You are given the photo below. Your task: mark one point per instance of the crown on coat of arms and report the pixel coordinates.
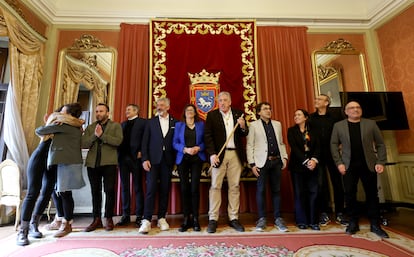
(204, 77)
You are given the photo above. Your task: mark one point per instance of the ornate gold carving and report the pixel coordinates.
(326, 71)
(2, 21)
(15, 5)
(91, 61)
(87, 42)
(204, 77)
(339, 46)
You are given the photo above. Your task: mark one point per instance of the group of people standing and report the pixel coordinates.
(348, 149)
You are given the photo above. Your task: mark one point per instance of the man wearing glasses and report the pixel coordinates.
(322, 122)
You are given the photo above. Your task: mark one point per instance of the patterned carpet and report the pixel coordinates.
(126, 242)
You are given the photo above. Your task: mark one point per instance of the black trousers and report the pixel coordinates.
(36, 174)
(67, 203)
(305, 184)
(269, 174)
(337, 185)
(190, 186)
(128, 166)
(369, 183)
(105, 175)
(47, 190)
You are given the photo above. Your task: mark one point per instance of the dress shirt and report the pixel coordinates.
(272, 146)
(229, 125)
(165, 124)
(133, 118)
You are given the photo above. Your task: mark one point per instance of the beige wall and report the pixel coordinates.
(397, 51)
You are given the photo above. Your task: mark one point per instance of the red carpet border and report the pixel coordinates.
(128, 243)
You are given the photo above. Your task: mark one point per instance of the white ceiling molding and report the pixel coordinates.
(361, 14)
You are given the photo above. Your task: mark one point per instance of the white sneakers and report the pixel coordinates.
(146, 226)
(163, 225)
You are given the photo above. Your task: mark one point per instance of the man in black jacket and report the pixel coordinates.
(219, 125)
(322, 122)
(129, 158)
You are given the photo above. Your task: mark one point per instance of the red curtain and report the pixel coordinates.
(131, 78)
(132, 69)
(285, 81)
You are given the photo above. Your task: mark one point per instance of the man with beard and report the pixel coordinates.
(102, 138)
(158, 157)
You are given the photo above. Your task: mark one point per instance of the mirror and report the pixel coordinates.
(330, 83)
(338, 67)
(86, 74)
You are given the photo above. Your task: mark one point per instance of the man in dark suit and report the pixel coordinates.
(158, 157)
(219, 125)
(129, 158)
(359, 152)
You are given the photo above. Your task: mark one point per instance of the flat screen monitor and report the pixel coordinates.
(386, 108)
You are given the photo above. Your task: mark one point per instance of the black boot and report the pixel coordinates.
(186, 224)
(34, 227)
(22, 239)
(376, 228)
(196, 224)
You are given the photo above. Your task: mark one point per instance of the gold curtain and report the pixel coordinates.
(76, 72)
(26, 59)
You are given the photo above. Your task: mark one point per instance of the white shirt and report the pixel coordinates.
(229, 125)
(165, 124)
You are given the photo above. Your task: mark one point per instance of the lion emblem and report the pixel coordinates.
(203, 103)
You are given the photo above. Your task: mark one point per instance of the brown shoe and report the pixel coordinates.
(109, 224)
(97, 223)
(64, 229)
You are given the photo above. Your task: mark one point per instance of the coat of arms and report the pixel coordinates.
(204, 88)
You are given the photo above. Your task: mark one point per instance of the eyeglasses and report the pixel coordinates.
(353, 107)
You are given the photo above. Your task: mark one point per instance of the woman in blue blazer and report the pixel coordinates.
(189, 143)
